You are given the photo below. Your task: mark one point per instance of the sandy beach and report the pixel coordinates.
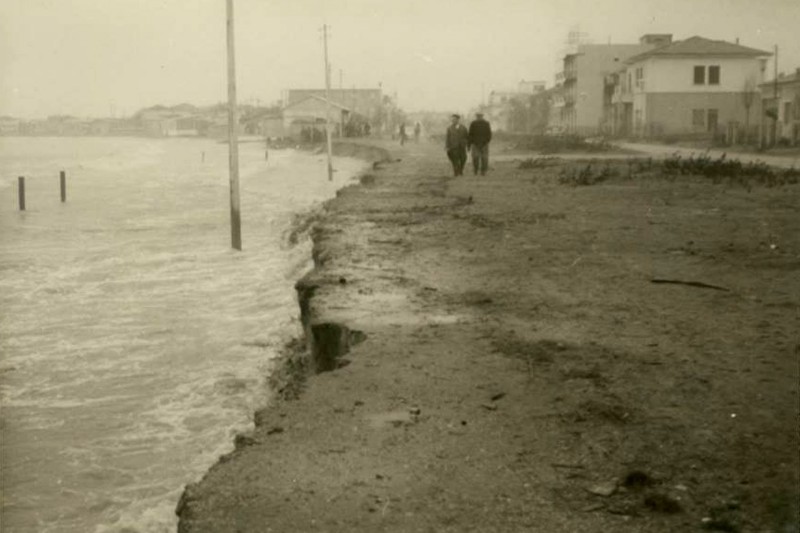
(527, 352)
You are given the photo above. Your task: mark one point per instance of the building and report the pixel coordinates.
(309, 116)
(161, 121)
(781, 103)
(510, 110)
(696, 87)
(9, 126)
(364, 102)
(580, 105)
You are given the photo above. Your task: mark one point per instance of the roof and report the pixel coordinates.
(700, 46)
(315, 97)
(794, 77)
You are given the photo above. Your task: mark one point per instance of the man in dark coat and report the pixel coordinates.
(456, 143)
(480, 134)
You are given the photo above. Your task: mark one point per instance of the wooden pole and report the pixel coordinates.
(777, 104)
(233, 141)
(21, 190)
(328, 103)
(63, 182)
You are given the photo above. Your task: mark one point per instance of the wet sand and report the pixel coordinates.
(498, 358)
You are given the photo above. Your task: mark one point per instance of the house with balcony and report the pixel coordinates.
(696, 87)
(781, 103)
(580, 107)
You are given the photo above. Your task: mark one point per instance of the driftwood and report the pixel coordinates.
(691, 284)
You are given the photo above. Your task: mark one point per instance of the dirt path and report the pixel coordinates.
(512, 366)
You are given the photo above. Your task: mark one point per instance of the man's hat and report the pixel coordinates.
(478, 114)
(455, 115)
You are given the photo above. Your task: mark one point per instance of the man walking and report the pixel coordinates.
(456, 143)
(480, 134)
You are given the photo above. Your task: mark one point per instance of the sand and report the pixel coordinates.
(498, 358)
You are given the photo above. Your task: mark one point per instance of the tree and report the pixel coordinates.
(748, 97)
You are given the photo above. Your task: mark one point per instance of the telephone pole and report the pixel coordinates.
(328, 102)
(777, 103)
(233, 141)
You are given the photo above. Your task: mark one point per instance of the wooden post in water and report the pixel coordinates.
(21, 190)
(233, 141)
(63, 181)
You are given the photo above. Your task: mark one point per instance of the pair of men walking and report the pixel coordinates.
(476, 139)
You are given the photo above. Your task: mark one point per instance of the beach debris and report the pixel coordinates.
(604, 489)
(342, 280)
(699, 284)
(498, 396)
(274, 430)
(489, 406)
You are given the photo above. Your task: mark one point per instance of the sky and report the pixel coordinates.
(92, 58)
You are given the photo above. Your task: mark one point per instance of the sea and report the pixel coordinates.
(134, 341)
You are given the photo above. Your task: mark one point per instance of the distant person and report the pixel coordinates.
(480, 135)
(456, 143)
(403, 135)
(417, 130)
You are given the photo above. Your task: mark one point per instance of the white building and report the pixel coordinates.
(696, 87)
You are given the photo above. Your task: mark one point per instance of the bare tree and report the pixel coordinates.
(748, 97)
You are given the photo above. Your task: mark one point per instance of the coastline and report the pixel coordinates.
(494, 359)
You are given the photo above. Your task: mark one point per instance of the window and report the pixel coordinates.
(713, 75)
(640, 77)
(699, 75)
(698, 117)
(787, 111)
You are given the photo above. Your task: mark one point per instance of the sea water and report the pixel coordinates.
(134, 342)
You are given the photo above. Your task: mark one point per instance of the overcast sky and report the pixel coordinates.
(103, 57)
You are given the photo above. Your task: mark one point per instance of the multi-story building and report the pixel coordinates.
(580, 107)
(695, 87)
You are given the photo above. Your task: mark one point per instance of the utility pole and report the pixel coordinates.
(777, 104)
(328, 102)
(233, 141)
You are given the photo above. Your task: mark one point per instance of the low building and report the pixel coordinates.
(511, 110)
(311, 114)
(9, 126)
(368, 103)
(781, 103)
